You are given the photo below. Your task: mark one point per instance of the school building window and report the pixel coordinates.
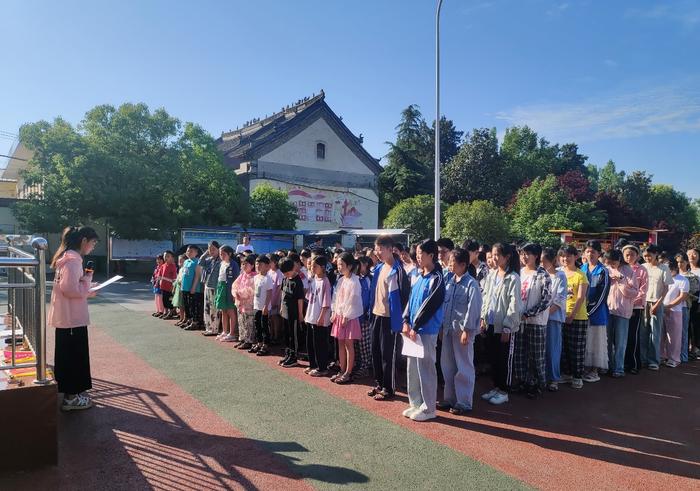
(320, 150)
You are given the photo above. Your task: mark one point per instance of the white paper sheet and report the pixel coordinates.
(113, 279)
(412, 348)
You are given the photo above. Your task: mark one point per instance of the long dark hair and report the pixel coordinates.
(513, 258)
(72, 239)
(350, 261)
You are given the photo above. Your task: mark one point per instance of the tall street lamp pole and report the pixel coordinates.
(437, 119)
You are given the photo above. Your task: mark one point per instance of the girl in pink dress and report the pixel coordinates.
(347, 310)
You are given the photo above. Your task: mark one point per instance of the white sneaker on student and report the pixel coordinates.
(499, 398)
(410, 410)
(591, 376)
(671, 364)
(422, 416)
(78, 402)
(576, 383)
(489, 394)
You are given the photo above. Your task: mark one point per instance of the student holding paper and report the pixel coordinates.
(68, 314)
(423, 317)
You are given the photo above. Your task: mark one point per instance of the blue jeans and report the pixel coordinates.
(553, 351)
(617, 343)
(650, 335)
(684, 337)
(457, 363)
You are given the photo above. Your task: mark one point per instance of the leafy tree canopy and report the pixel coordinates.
(479, 220)
(270, 208)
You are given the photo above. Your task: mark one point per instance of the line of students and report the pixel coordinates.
(539, 317)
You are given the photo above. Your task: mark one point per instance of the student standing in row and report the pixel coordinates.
(423, 317)
(694, 284)
(623, 291)
(557, 315)
(178, 301)
(192, 290)
(155, 281)
(261, 307)
(347, 311)
(596, 358)
(225, 302)
(633, 362)
(243, 291)
(318, 318)
(364, 353)
(276, 277)
(536, 294)
(673, 317)
(694, 314)
(209, 265)
(460, 326)
(168, 276)
(660, 280)
(576, 321)
(292, 310)
(388, 298)
(500, 318)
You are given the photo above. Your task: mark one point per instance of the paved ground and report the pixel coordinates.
(180, 411)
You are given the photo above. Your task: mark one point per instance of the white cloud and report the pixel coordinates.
(686, 13)
(558, 8)
(656, 111)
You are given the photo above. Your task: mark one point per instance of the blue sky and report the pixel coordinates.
(621, 79)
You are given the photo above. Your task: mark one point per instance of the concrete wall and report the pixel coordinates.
(301, 151)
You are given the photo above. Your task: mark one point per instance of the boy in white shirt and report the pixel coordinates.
(261, 306)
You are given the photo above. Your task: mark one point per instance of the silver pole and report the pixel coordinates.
(437, 119)
(40, 244)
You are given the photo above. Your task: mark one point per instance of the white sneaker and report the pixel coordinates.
(410, 410)
(499, 398)
(76, 403)
(422, 416)
(489, 394)
(671, 364)
(576, 383)
(228, 339)
(591, 377)
(653, 366)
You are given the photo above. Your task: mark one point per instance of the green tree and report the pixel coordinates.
(410, 168)
(476, 173)
(479, 220)
(525, 156)
(270, 208)
(416, 213)
(131, 168)
(610, 180)
(674, 211)
(543, 206)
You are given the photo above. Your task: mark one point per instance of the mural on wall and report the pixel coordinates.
(326, 207)
(323, 209)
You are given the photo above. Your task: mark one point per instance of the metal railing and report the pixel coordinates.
(26, 304)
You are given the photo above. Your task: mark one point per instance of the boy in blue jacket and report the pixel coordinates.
(423, 317)
(388, 298)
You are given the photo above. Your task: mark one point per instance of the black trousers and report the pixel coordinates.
(291, 334)
(632, 356)
(385, 346)
(694, 324)
(72, 360)
(167, 299)
(194, 306)
(317, 346)
(262, 327)
(501, 358)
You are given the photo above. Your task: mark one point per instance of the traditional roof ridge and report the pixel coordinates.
(286, 112)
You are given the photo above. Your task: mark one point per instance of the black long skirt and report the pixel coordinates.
(72, 360)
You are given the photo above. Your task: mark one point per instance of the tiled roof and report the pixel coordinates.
(259, 136)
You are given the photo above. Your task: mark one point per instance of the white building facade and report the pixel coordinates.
(307, 151)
